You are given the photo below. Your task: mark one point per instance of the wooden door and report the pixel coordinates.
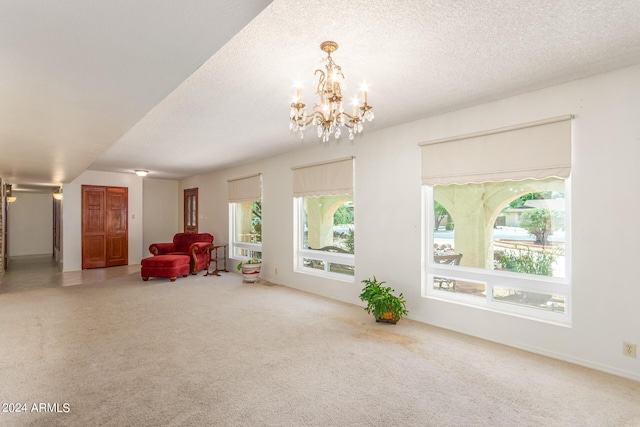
(116, 227)
(57, 225)
(104, 226)
(94, 234)
(191, 210)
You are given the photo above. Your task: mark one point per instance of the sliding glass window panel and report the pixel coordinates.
(534, 300)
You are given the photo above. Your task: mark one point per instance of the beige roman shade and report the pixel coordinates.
(535, 150)
(247, 189)
(323, 179)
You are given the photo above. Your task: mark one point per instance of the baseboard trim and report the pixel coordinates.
(542, 352)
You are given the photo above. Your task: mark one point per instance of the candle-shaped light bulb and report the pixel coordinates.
(364, 89)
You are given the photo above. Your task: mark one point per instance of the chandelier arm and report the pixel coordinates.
(321, 80)
(317, 112)
(309, 121)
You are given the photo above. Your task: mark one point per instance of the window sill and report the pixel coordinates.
(547, 317)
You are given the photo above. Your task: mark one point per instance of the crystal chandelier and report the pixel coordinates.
(328, 115)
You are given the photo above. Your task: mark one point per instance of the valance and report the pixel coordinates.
(535, 150)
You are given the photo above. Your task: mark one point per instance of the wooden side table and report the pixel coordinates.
(216, 257)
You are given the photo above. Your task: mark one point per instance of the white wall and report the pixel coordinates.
(606, 147)
(161, 207)
(31, 224)
(72, 215)
(2, 227)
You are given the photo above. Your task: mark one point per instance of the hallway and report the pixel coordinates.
(32, 272)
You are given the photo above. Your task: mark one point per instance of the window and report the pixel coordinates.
(325, 227)
(497, 233)
(245, 213)
(327, 234)
(191, 210)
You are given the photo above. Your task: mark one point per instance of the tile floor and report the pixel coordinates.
(33, 272)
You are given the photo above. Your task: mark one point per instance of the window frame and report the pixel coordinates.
(190, 211)
(497, 278)
(300, 253)
(234, 244)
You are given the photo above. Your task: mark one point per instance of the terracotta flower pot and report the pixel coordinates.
(387, 317)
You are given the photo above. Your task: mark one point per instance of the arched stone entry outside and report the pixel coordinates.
(474, 209)
(320, 211)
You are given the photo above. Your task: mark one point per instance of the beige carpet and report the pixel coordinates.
(212, 351)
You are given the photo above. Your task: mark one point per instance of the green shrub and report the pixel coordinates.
(528, 261)
(542, 223)
(350, 240)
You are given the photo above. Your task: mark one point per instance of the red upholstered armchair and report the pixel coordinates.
(195, 245)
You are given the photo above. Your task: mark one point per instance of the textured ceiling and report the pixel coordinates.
(76, 75)
(419, 58)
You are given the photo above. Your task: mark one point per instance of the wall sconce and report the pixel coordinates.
(11, 199)
(58, 195)
(141, 172)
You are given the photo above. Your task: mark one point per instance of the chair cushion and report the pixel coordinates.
(165, 261)
(184, 240)
(170, 266)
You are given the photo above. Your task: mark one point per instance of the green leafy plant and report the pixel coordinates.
(249, 261)
(350, 240)
(542, 223)
(256, 222)
(440, 213)
(380, 300)
(528, 261)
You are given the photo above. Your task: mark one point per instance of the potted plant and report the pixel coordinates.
(250, 270)
(382, 303)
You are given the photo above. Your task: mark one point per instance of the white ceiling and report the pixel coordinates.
(182, 88)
